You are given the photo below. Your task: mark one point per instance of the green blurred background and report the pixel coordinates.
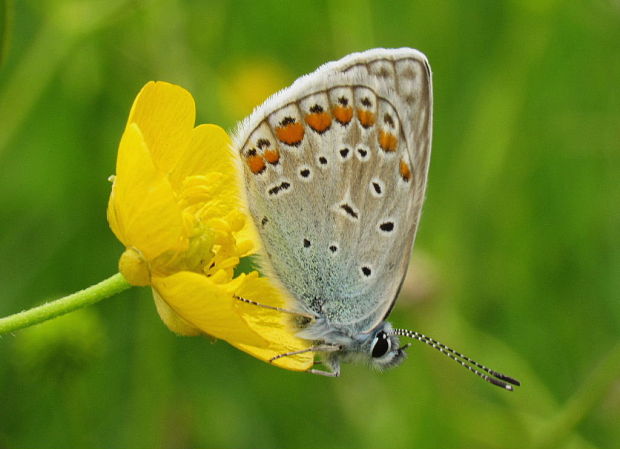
(517, 261)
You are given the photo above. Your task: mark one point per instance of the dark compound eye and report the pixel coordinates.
(381, 345)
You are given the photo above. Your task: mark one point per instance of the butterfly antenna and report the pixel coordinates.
(491, 376)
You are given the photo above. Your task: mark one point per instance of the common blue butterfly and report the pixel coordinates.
(335, 171)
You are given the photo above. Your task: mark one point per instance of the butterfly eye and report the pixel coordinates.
(380, 345)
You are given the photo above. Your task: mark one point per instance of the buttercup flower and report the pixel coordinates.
(175, 205)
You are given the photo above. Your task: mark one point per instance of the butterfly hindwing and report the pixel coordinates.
(335, 169)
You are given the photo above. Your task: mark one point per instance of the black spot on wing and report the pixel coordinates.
(279, 188)
(349, 210)
(387, 226)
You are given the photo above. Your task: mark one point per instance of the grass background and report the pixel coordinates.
(517, 261)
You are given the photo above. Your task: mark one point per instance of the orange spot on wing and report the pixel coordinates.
(319, 121)
(405, 171)
(388, 141)
(256, 163)
(290, 134)
(343, 114)
(272, 156)
(366, 117)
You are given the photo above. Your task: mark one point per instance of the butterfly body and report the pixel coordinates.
(335, 170)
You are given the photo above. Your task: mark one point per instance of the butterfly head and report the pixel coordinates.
(385, 351)
(381, 348)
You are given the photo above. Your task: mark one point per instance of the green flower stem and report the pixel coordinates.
(95, 293)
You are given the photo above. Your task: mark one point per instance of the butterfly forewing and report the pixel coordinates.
(335, 170)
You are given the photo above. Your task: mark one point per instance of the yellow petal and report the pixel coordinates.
(274, 326)
(248, 238)
(209, 155)
(142, 210)
(165, 113)
(171, 319)
(297, 362)
(208, 152)
(207, 306)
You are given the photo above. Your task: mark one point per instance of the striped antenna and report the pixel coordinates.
(498, 379)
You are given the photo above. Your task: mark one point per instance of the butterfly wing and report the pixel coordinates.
(335, 170)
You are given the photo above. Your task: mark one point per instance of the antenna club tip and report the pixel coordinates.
(508, 379)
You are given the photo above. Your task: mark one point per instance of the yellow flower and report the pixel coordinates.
(175, 205)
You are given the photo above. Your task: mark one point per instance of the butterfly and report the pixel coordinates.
(335, 170)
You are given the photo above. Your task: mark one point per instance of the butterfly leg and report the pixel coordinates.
(335, 373)
(332, 364)
(330, 360)
(318, 348)
(279, 309)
